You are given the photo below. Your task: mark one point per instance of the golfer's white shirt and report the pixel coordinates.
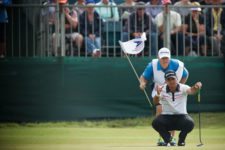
(178, 105)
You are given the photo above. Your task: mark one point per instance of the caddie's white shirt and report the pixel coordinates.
(174, 103)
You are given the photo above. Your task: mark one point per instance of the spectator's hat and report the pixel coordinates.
(140, 4)
(196, 6)
(164, 2)
(170, 74)
(62, 1)
(90, 2)
(164, 52)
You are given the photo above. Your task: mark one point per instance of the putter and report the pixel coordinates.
(199, 121)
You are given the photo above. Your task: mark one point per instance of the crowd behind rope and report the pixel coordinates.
(195, 30)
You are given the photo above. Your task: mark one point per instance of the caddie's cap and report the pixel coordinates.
(164, 52)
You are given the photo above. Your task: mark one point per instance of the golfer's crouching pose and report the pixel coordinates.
(173, 98)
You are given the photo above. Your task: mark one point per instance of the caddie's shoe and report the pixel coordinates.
(181, 144)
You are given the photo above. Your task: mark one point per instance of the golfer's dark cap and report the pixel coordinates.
(170, 74)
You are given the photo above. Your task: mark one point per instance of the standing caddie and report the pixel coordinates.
(155, 72)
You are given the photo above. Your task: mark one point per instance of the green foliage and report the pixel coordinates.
(209, 120)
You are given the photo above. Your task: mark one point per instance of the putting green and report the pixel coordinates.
(70, 136)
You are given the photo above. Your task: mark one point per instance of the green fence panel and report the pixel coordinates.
(57, 89)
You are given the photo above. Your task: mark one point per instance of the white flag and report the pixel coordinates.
(134, 46)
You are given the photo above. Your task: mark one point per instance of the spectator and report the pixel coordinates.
(109, 12)
(194, 30)
(125, 14)
(145, 1)
(205, 2)
(51, 11)
(154, 11)
(79, 6)
(141, 22)
(3, 22)
(215, 27)
(47, 26)
(127, 9)
(90, 23)
(71, 31)
(172, 25)
(179, 7)
(174, 1)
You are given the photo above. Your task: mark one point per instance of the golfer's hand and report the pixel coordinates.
(159, 89)
(198, 85)
(142, 86)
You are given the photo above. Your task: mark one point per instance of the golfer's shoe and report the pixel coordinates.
(181, 144)
(173, 142)
(161, 142)
(166, 144)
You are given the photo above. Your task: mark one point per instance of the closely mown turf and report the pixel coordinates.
(126, 134)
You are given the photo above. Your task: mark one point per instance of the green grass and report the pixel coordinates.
(126, 134)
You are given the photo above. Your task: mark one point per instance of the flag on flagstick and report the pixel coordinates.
(134, 46)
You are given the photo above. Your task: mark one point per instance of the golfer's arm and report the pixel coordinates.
(156, 100)
(192, 90)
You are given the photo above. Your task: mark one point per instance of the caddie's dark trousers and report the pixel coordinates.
(165, 123)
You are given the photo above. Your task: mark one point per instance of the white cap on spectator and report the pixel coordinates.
(196, 4)
(164, 52)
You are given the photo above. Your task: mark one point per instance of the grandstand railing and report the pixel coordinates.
(30, 29)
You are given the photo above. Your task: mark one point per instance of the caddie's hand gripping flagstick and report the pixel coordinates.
(135, 72)
(135, 46)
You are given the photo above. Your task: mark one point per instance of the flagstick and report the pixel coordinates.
(135, 72)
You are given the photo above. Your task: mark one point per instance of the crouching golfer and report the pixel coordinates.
(173, 98)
